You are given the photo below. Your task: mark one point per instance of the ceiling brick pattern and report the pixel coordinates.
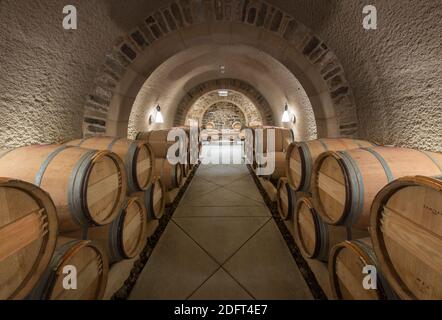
(186, 13)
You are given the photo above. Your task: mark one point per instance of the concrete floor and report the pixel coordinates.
(221, 243)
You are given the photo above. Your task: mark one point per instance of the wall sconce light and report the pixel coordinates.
(287, 117)
(157, 116)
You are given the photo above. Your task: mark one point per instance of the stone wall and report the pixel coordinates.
(394, 71)
(223, 115)
(199, 108)
(49, 76)
(45, 71)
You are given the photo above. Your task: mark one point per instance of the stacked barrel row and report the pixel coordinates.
(358, 205)
(259, 147)
(85, 204)
(172, 173)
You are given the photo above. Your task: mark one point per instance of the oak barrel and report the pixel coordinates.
(316, 238)
(346, 182)
(283, 138)
(154, 199)
(88, 187)
(254, 142)
(91, 265)
(185, 169)
(301, 157)
(346, 270)
(285, 199)
(406, 229)
(28, 234)
(157, 140)
(125, 237)
(137, 156)
(187, 163)
(279, 170)
(247, 136)
(171, 174)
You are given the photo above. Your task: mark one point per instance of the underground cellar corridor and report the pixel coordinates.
(223, 238)
(204, 150)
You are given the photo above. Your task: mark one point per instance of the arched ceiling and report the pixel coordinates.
(183, 45)
(172, 81)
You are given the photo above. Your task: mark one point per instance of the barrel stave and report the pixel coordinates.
(91, 265)
(346, 270)
(406, 230)
(346, 182)
(301, 158)
(88, 187)
(28, 233)
(137, 157)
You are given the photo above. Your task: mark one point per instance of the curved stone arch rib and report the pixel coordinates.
(202, 104)
(229, 84)
(339, 115)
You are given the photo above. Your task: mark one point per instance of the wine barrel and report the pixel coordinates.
(194, 147)
(185, 169)
(247, 136)
(346, 182)
(346, 265)
(253, 145)
(301, 157)
(285, 199)
(125, 237)
(283, 138)
(279, 171)
(187, 165)
(406, 229)
(316, 238)
(154, 199)
(171, 175)
(88, 187)
(137, 157)
(4, 151)
(91, 265)
(157, 140)
(237, 126)
(28, 234)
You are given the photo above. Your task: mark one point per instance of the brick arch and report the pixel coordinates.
(310, 59)
(201, 106)
(230, 84)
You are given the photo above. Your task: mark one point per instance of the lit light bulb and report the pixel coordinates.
(223, 93)
(158, 116)
(286, 115)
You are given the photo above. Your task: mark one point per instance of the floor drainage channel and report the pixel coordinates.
(306, 272)
(129, 284)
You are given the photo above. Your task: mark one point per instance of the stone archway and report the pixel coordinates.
(255, 23)
(244, 96)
